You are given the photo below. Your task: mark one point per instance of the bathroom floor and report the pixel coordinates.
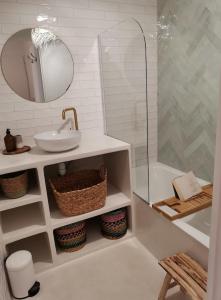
(126, 271)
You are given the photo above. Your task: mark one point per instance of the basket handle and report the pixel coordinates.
(103, 172)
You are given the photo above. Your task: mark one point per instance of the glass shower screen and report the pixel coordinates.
(124, 83)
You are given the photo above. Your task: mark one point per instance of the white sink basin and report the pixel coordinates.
(54, 141)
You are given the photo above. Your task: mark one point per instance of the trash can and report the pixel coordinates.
(21, 275)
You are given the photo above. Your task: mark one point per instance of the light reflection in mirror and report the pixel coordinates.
(37, 65)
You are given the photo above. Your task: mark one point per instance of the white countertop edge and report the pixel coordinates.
(90, 145)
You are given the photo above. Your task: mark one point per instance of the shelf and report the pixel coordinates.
(22, 233)
(32, 196)
(115, 200)
(21, 222)
(39, 247)
(95, 241)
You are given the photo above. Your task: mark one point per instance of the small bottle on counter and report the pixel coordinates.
(19, 142)
(10, 141)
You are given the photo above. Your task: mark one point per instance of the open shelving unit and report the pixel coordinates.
(22, 222)
(115, 199)
(29, 222)
(33, 195)
(95, 241)
(39, 246)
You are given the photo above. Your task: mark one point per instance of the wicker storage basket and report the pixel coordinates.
(14, 185)
(80, 192)
(114, 224)
(72, 237)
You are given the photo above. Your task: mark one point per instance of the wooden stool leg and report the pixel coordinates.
(165, 287)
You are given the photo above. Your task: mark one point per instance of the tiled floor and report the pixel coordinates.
(122, 272)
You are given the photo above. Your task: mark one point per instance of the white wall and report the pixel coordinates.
(77, 22)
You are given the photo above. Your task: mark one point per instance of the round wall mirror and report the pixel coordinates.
(37, 65)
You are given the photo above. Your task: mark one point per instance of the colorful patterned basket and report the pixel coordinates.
(114, 224)
(80, 192)
(72, 237)
(14, 185)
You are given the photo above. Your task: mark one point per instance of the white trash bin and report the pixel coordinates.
(21, 275)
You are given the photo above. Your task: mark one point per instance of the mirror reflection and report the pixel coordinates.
(37, 65)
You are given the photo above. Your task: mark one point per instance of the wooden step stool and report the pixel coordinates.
(182, 270)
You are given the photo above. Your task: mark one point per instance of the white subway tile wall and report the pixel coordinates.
(77, 23)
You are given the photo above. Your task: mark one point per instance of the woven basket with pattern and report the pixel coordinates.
(114, 224)
(80, 192)
(72, 237)
(14, 185)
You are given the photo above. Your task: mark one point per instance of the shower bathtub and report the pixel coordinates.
(196, 225)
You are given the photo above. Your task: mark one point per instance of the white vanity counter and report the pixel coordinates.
(29, 222)
(90, 145)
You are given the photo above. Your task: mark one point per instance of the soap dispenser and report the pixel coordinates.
(10, 141)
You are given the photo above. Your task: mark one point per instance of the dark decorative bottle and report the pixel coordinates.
(10, 141)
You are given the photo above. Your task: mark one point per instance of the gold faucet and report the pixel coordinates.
(75, 120)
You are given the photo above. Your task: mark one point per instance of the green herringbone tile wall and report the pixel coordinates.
(189, 60)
